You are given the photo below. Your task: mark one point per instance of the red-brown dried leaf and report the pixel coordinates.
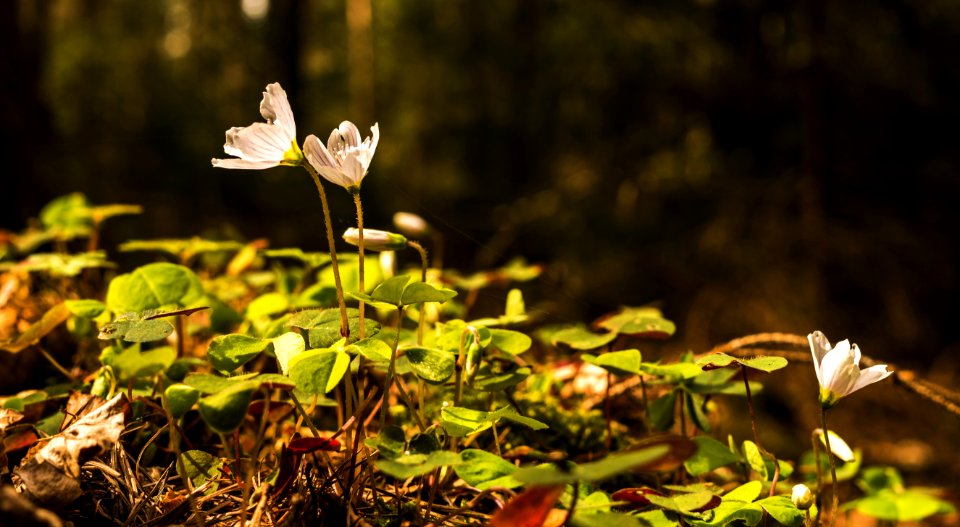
(529, 509)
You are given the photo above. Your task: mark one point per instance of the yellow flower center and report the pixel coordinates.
(294, 156)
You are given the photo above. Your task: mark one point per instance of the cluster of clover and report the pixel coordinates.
(345, 160)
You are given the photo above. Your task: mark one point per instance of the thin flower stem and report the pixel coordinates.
(816, 458)
(608, 441)
(391, 370)
(753, 415)
(344, 323)
(362, 263)
(54, 363)
(833, 465)
(423, 278)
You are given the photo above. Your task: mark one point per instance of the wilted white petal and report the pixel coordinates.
(275, 108)
(833, 362)
(375, 239)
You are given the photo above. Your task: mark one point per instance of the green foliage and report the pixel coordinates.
(887, 498)
(154, 286)
(200, 467)
(458, 421)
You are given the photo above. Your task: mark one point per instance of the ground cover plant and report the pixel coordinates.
(238, 384)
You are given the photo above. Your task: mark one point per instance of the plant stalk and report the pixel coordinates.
(391, 370)
(423, 278)
(361, 261)
(835, 502)
(344, 323)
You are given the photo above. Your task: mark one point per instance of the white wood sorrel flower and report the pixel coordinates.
(345, 159)
(838, 369)
(376, 240)
(265, 145)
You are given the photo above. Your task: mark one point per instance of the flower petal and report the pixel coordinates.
(871, 375)
(834, 366)
(317, 154)
(259, 141)
(242, 164)
(350, 134)
(372, 148)
(819, 347)
(275, 108)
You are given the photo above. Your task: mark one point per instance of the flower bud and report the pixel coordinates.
(802, 497)
(375, 240)
(411, 224)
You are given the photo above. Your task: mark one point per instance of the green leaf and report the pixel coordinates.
(512, 342)
(608, 467)
(135, 327)
(153, 286)
(267, 305)
(324, 327)
(132, 364)
(495, 382)
(679, 370)
(229, 352)
(906, 506)
(711, 454)
(180, 398)
(286, 347)
(695, 403)
(682, 503)
(200, 467)
(391, 442)
(745, 493)
(420, 292)
(182, 248)
(482, 470)
(390, 291)
(755, 459)
(458, 421)
(67, 217)
(85, 308)
(580, 338)
(625, 362)
(782, 509)
(318, 371)
(643, 322)
(719, 360)
(418, 464)
(55, 316)
(663, 410)
(432, 365)
(609, 519)
(224, 411)
(373, 349)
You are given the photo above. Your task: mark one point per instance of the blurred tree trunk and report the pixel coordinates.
(360, 62)
(24, 117)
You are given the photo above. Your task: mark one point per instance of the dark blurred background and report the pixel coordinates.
(746, 165)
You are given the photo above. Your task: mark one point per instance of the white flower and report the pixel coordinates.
(838, 369)
(802, 497)
(411, 224)
(375, 240)
(345, 159)
(265, 145)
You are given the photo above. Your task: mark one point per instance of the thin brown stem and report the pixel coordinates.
(344, 323)
(753, 415)
(833, 466)
(423, 278)
(390, 370)
(362, 262)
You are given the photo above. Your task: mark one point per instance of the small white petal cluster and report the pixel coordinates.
(345, 158)
(265, 145)
(802, 496)
(375, 240)
(838, 369)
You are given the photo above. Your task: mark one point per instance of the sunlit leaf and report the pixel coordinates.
(391, 442)
(287, 346)
(224, 411)
(711, 454)
(229, 352)
(318, 371)
(55, 316)
(85, 308)
(200, 467)
(512, 342)
(483, 470)
(180, 398)
(625, 362)
(432, 365)
(153, 286)
(642, 322)
(580, 338)
(412, 465)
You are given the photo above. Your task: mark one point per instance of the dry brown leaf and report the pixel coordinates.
(51, 476)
